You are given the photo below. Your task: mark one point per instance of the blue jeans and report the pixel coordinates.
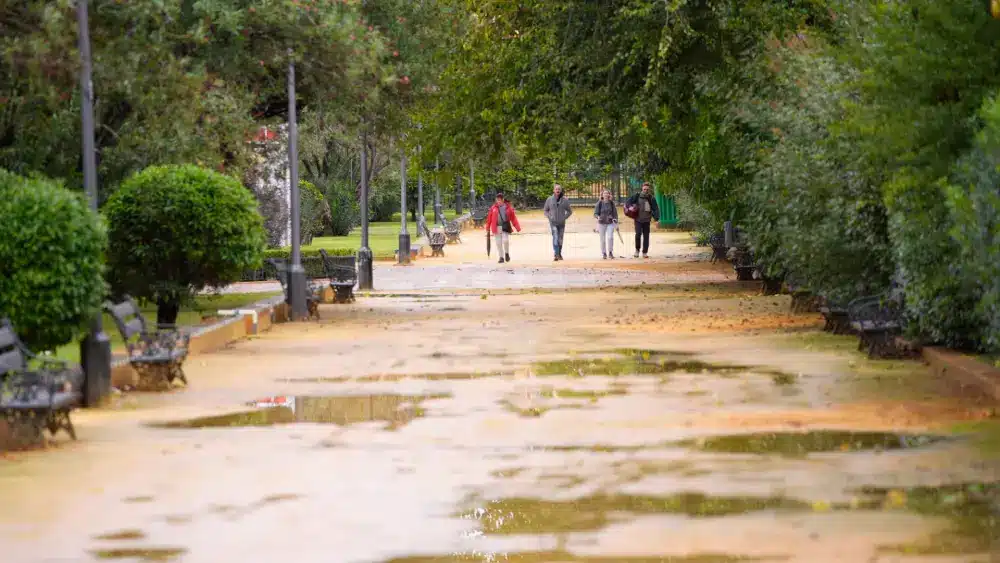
(557, 237)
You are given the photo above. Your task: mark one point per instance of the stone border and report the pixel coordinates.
(965, 370)
(254, 319)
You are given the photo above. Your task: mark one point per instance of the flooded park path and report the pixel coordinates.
(641, 411)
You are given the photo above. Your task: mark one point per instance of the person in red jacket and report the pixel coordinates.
(501, 222)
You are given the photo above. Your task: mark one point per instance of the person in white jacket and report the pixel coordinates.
(607, 221)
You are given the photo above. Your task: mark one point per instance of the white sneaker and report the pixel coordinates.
(636, 255)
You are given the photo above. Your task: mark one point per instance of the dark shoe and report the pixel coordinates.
(506, 257)
(611, 256)
(604, 256)
(501, 260)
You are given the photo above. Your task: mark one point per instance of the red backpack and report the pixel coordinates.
(631, 211)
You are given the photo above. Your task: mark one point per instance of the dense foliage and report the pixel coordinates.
(51, 260)
(176, 230)
(853, 140)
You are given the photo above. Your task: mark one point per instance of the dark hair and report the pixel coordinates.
(499, 195)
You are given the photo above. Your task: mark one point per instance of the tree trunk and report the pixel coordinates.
(166, 311)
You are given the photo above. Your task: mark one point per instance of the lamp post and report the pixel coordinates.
(95, 349)
(472, 185)
(458, 194)
(438, 212)
(364, 253)
(296, 274)
(420, 186)
(404, 235)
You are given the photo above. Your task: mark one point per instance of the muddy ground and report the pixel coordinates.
(685, 420)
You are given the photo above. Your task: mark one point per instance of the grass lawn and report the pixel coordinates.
(383, 237)
(204, 305)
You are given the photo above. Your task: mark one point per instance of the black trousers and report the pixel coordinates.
(642, 237)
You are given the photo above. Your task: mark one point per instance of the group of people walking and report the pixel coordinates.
(501, 221)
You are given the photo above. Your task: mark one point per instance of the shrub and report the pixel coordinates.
(314, 212)
(344, 210)
(51, 263)
(175, 230)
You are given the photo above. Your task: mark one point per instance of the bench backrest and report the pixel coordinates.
(422, 227)
(281, 272)
(129, 320)
(340, 268)
(12, 351)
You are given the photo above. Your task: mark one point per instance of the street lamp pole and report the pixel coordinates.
(438, 212)
(404, 235)
(420, 186)
(472, 185)
(296, 274)
(95, 349)
(364, 253)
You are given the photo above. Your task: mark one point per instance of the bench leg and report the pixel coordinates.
(177, 372)
(25, 428)
(59, 420)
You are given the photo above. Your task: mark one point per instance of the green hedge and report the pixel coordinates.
(51, 263)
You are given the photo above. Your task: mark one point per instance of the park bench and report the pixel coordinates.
(35, 398)
(835, 316)
(313, 297)
(878, 320)
(479, 212)
(157, 355)
(435, 238)
(803, 299)
(343, 274)
(453, 232)
(719, 248)
(770, 285)
(744, 265)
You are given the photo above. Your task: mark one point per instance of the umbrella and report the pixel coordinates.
(619, 234)
(487, 242)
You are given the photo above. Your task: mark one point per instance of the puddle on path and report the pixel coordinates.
(122, 535)
(973, 510)
(566, 557)
(537, 516)
(397, 410)
(141, 553)
(817, 441)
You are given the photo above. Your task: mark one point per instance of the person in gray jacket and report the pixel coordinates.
(607, 221)
(557, 210)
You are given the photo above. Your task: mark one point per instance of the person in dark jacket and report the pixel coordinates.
(557, 210)
(643, 205)
(607, 221)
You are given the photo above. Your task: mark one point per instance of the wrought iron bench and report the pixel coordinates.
(744, 265)
(479, 213)
(343, 274)
(312, 289)
(453, 232)
(36, 397)
(435, 238)
(157, 355)
(771, 284)
(836, 316)
(719, 248)
(878, 320)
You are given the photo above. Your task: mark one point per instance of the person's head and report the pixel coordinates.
(557, 190)
(499, 199)
(645, 188)
(606, 195)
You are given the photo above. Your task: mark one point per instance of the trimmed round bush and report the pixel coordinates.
(176, 230)
(51, 260)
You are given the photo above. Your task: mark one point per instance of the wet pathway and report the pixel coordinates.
(677, 422)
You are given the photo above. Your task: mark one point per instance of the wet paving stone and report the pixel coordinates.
(972, 509)
(396, 410)
(539, 516)
(566, 557)
(141, 553)
(816, 441)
